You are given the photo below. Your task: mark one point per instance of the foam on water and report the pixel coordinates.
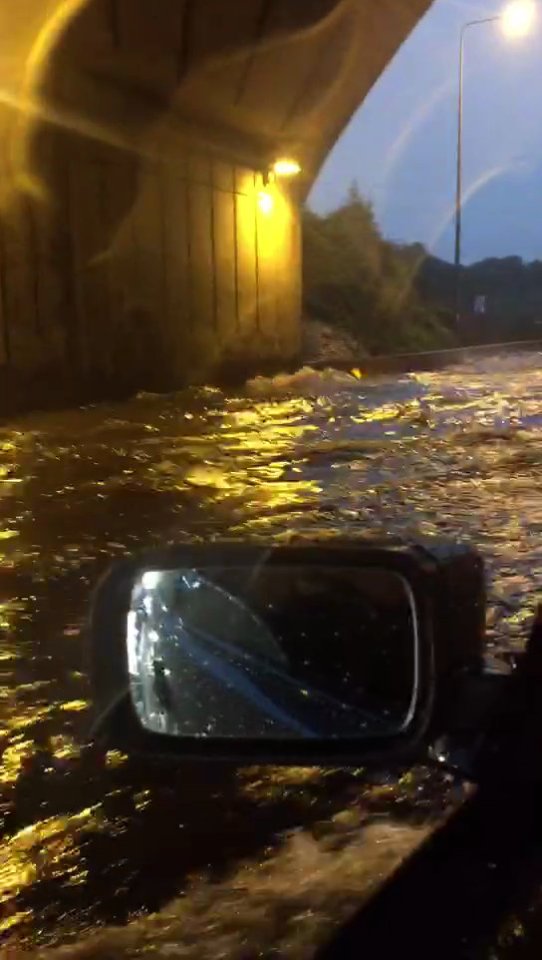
(306, 382)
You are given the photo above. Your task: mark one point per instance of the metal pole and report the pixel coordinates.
(459, 183)
(459, 180)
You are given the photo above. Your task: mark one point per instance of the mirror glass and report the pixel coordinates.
(273, 651)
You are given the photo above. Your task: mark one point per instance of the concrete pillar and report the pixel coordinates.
(146, 273)
(139, 245)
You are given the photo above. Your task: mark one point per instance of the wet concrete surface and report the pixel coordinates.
(90, 840)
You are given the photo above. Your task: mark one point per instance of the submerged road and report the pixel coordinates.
(89, 841)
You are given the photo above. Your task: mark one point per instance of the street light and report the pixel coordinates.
(516, 20)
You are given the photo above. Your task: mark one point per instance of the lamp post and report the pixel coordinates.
(516, 19)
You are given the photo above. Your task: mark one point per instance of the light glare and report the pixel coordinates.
(131, 643)
(518, 18)
(150, 579)
(265, 202)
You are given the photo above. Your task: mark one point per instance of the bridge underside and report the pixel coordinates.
(141, 244)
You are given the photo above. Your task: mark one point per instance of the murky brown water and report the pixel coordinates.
(91, 840)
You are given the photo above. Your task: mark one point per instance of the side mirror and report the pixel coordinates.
(296, 654)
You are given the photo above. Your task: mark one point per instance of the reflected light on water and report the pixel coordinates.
(450, 453)
(49, 847)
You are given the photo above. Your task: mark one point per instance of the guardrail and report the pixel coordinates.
(426, 360)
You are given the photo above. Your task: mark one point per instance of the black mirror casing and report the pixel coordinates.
(436, 579)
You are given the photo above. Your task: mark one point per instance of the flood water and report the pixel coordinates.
(89, 840)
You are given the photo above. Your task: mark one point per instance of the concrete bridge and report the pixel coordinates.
(145, 241)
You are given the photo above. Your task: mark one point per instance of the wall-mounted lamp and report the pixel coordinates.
(286, 167)
(283, 167)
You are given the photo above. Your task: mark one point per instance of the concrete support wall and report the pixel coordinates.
(152, 274)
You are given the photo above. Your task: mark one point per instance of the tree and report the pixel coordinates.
(512, 290)
(356, 280)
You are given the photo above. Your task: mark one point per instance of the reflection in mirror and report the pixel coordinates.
(273, 651)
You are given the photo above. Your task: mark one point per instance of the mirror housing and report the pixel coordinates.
(446, 586)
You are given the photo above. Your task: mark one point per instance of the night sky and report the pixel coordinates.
(401, 145)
